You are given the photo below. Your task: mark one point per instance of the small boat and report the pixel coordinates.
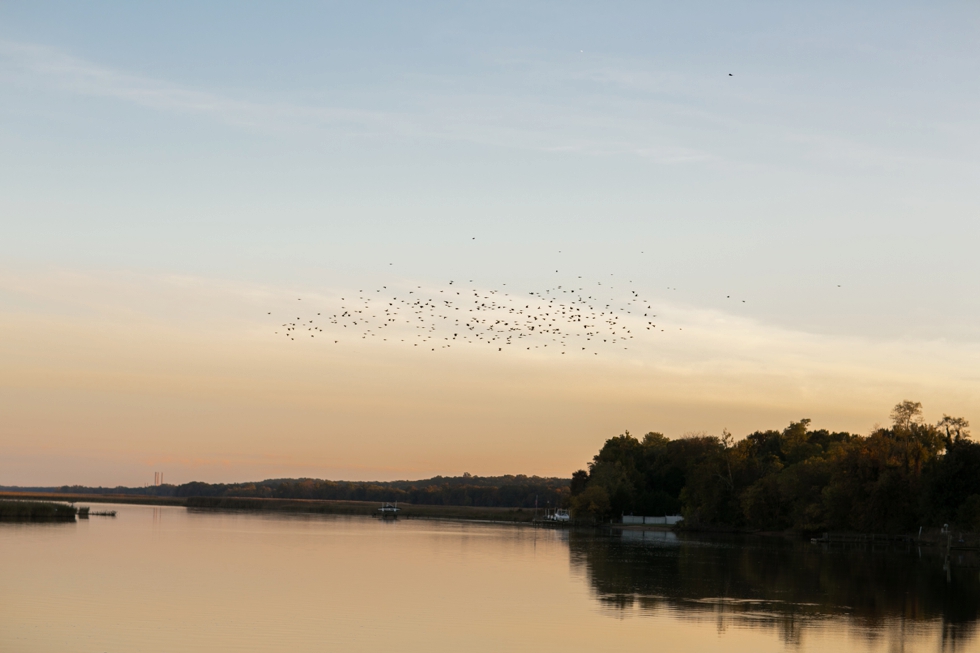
(560, 515)
(388, 510)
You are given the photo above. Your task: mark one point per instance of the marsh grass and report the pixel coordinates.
(362, 508)
(35, 511)
(316, 506)
(93, 498)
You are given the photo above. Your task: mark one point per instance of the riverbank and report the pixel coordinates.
(405, 510)
(313, 506)
(93, 498)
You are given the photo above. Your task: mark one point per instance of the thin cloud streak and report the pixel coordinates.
(500, 119)
(599, 106)
(694, 341)
(496, 120)
(28, 64)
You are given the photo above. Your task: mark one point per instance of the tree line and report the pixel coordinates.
(517, 491)
(895, 479)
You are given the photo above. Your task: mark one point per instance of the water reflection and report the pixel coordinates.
(785, 585)
(161, 579)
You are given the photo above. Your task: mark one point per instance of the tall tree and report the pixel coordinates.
(906, 413)
(955, 428)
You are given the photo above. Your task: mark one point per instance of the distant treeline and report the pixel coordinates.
(487, 491)
(894, 480)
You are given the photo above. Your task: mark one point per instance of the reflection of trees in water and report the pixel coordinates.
(783, 585)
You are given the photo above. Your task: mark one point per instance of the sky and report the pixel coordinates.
(790, 187)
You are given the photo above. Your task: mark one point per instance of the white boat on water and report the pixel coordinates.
(559, 515)
(389, 509)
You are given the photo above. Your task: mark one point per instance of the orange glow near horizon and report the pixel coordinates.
(102, 392)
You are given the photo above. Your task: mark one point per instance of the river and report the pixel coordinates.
(163, 579)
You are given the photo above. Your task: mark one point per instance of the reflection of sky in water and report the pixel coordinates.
(158, 579)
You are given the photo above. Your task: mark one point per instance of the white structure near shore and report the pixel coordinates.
(667, 520)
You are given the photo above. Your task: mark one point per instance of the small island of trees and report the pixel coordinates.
(893, 480)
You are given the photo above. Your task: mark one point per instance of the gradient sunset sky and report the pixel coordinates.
(172, 172)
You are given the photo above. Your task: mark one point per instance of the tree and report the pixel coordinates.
(579, 480)
(968, 515)
(593, 502)
(654, 439)
(727, 441)
(906, 413)
(956, 428)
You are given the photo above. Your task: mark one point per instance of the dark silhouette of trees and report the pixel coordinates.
(483, 491)
(892, 480)
(954, 428)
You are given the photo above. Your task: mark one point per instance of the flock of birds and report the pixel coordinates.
(581, 316)
(584, 316)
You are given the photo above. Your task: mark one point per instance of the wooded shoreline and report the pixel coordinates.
(931, 537)
(897, 480)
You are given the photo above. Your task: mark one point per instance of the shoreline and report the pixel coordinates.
(93, 498)
(296, 506)
(495, 515)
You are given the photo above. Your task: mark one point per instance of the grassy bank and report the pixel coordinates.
(94, 498)
(361, 508)
(35, 511)
(313, 506)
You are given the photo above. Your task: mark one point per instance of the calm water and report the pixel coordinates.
(165, 579)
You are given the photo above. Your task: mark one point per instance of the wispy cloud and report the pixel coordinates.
(52, 68)
(694, 340)
(429, 108)
(594, 106)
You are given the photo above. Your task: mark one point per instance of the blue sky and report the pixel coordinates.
(829, 181)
